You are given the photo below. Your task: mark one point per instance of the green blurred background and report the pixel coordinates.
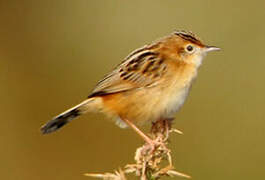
(53, 52)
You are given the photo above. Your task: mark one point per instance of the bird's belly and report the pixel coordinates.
(146, 105)
(158, 104)
(173, 102)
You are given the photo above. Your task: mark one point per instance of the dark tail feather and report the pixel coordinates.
(59, 121)
(64, 118)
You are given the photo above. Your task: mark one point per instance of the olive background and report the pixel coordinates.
(53, 52)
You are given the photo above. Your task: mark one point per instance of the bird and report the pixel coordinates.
(149, 85)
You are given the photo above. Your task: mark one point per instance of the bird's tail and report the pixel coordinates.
(67, 116)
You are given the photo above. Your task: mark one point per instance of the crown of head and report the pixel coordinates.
(189, 36)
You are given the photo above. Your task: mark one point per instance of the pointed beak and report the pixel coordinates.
(211, 48)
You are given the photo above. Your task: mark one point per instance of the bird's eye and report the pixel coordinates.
(189, 48)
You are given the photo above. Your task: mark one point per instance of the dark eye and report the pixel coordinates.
(189, 48)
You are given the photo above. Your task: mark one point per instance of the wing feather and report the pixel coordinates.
(142, 68)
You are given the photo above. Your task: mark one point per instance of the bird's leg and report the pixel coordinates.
(167, 128)
(146, 138)
(161, 127)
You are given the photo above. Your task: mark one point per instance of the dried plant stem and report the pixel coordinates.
(148, 159)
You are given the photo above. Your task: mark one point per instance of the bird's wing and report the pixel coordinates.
(142, 68)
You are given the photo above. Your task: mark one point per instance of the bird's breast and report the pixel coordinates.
(174, 93)
(152, 103)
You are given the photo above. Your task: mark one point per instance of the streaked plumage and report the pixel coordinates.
(152, 83)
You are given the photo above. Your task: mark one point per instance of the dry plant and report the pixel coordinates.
(149, 159)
